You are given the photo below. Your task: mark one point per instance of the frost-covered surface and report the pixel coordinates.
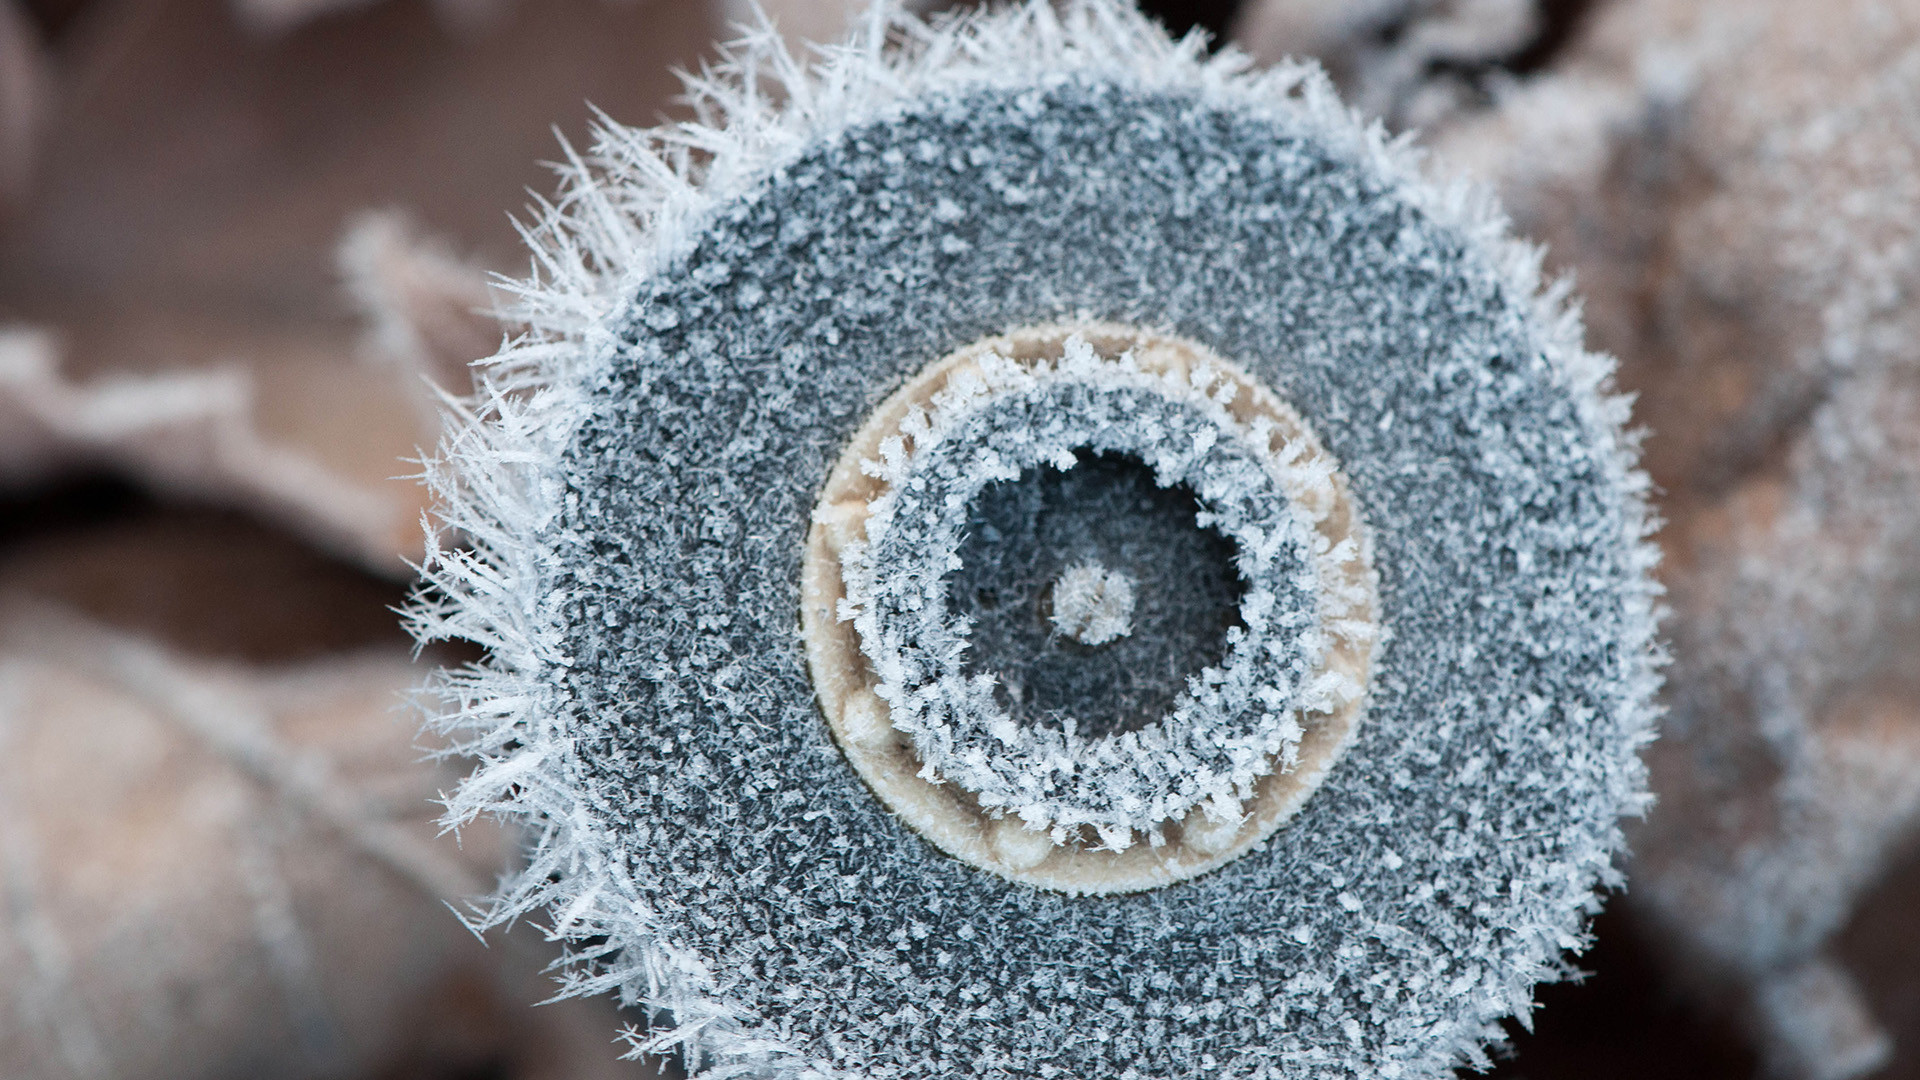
(1235, 722)
(710, 327)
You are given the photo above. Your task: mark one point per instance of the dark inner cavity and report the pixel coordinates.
(1022, 533)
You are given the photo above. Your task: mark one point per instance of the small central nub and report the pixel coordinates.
(1092, 604)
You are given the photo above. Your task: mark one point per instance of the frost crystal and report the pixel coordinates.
(1092, 604)
(717, 307)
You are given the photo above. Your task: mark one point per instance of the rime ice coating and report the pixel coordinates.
(717, 306)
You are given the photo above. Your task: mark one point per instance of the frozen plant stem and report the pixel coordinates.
(722, 313)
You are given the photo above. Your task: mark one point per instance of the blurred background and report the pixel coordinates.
(239, 239)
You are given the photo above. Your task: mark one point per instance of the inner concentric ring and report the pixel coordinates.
(1246, 739)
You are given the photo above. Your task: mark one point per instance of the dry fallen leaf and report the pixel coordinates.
(219, 856)
(213, 868)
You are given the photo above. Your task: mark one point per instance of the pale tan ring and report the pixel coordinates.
(944, 813)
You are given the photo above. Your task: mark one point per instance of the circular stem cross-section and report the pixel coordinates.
(1105, 809)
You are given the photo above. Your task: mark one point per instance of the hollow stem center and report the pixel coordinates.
(1092, 593)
